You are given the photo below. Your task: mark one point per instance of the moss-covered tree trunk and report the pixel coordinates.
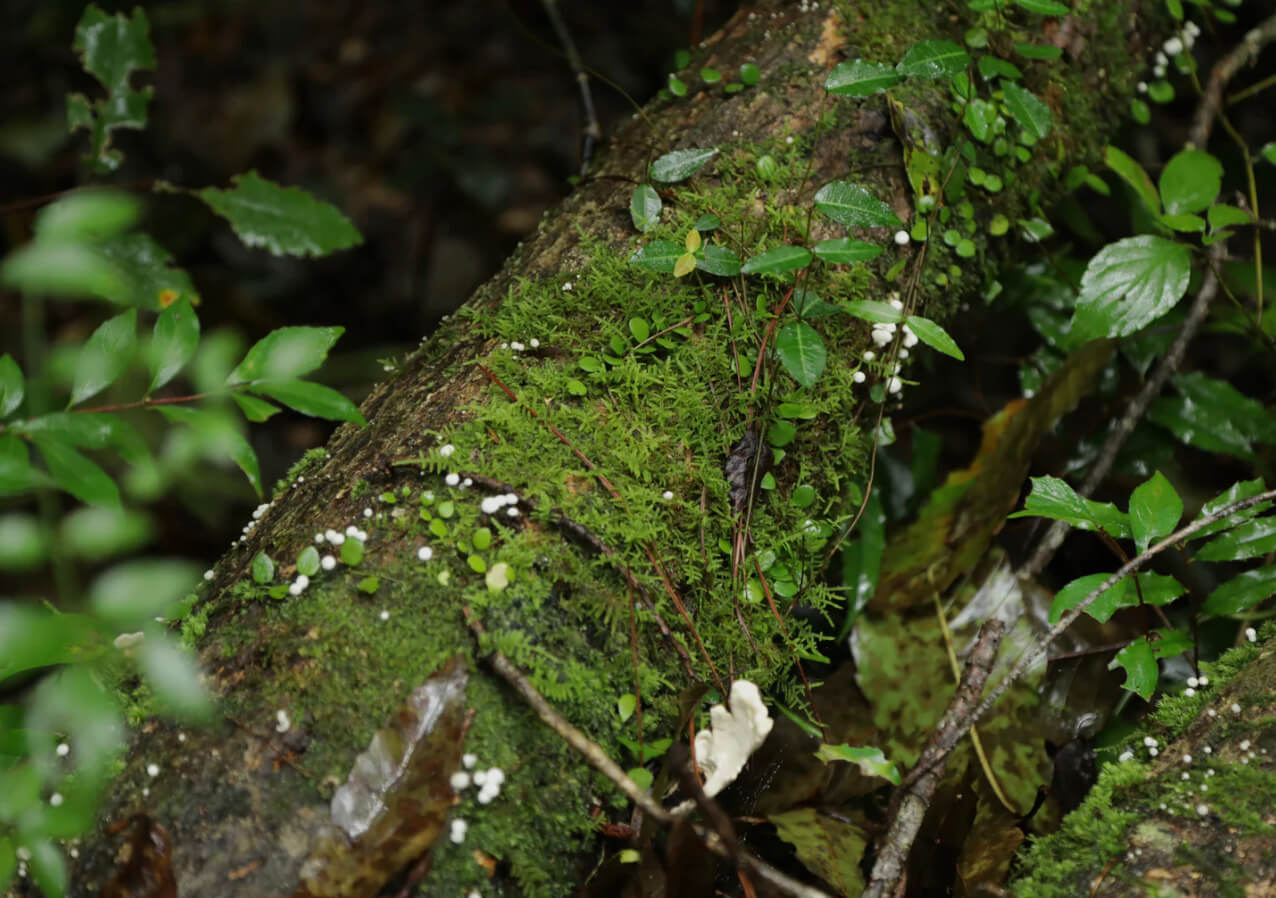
(609, 402)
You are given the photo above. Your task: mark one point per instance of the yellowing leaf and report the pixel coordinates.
(685, 265)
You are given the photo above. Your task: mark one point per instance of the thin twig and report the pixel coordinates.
(1212, 99)
(593, 131)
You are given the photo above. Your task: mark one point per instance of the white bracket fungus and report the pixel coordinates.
(732, 737)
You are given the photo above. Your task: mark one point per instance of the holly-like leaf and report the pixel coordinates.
(719, 260)
(12, 386)
(1155, 510)
(801, 352)
(1053, 498)
(1190, 181)
(1139, 663)
(173, 343)
(933, 59)
(111, 48)
(858, 78)
(150, 279)
(1213, 415)
(1242, 592)
(777, 260)
(851, 205)
(1252, 539)
(644, 207)
(285, 221)
(1134, 175)
(1236, 492)
(286, 353)
(846, 251)
(1129, 284)
(658, 255)
(77, 474)
(311, 399)
(680, 164)
(1027, 109)
(934, 336)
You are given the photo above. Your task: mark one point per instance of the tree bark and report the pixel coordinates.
(620, 472)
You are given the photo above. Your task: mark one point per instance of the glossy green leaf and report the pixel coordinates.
(1190, 181)
(173, 677)
(1221, 215)
(285, 221)
(991, 67)
(858, 78)
(254, 409)
(1236, 492)
(286, 353)
(1268, 151)
(173, 343)
(105, 355)
(12, 386)
(658, 255)
(352, 552)
(1044, 7)
(1129, 284)
(933, 59)
(851, 205)
(980, 119)
(263, 568)
(1027, 109)
(96, 533)
(1183, 222)
(1156, 589)
(150, 280)
(644, 207)
(639, 329)
(1242, 592)
(934, 336)
(1252, 539)
(308, 561)
(134, 593)
(808, 304)
(680, 164)
(1053, 498)
(1134, 175)
(1213, 415)
(846, 250)
(16, 475)
(870, 760)
(111, 48)
(777, 260)
(874, 311)
(718, 260)
(76, 473)
(1155, 510)
(311, 399)
(749, 74)
(801, 352)
(676, 85)
(1139, 664)
(710, 75)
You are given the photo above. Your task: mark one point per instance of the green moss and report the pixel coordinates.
(311, 460)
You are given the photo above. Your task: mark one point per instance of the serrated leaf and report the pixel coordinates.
(1242, 592)
(285, 221)
(1130, 283)
(1251, 539)
(150, 280)
(1134, 175)
(777, 260)
(851, 205)
(12, 386)
(801, 352)
(1213, 415)
(719, 260)
(76, 473)
(1236, 492)
(1190, 181)
(658, 255)
(869, 759)
(173, 677)
(1044, 7)
(105, 355)
(286, 353)
(1053, 498)
(858, 78)
(934, 336)
(1139, 663)
(644, 207)
(111, 48)
(846, 251)
(1027, 109)
(680, 164)
(311, 399)
(1155, 510)
(874, 311)
(131, 594)
(173, 343)
(933, 59)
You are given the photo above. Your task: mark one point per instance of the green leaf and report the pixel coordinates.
(22, 542)
(131, 594)
(63, 269)
(1037, 51)
(677, 86)
(991, 67)
(1221, 216)
(934, 336)
(1134, 175)
(33, 637)
(105, 355)
(1139, 664)
(1030, 112)
(263, 568)
(933, 59)
(219, 436)
(718, 260)
(858, 78)
(86, 217)
(639, 328)
(1213, 415)
(777, 260)
(749, 74)
(846, 251)
(1251, 539)
(874, 311)
(851, 205)
(76, 473)
(12, 386)
(173, 343)
(710, 76)
(48, 864)
(285, 221)
(1236, 492)
(286, 353)
(1129, 284)
(870, 760)
(801, 351)
(90, 430)
(311, 399)
(352, 552)
(680, 164)
(1156, 589)
(1242, 592)
(308, 561)
(1044, 7)
(173, 677)
(1268, 151)
(807, 304)
(15, 466)
(684, 266)
(829, 847)
(658, 255)
(644, 207)
(110, 49)
(150, 281)
(254, 409)
(1155, 510)
(1053, 498)
(1184, 223)
(96, 533)
(980, 119)
(1190, 181)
